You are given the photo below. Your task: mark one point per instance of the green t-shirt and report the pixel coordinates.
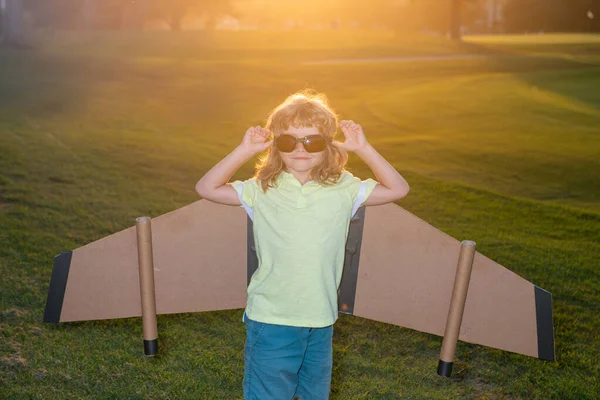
(300, 234)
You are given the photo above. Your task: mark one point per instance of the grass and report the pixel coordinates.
(98, 130)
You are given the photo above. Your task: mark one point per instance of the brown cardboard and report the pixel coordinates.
(199, 265)
(405, 276)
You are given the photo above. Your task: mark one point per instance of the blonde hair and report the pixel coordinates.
(303, 109)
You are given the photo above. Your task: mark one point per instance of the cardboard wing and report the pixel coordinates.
(199, 265)
(398, 269)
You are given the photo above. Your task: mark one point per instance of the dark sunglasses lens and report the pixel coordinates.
(315, 143)
(286, 143)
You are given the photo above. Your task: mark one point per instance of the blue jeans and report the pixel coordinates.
(284, 362)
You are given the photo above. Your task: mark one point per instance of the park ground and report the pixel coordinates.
(500, 142)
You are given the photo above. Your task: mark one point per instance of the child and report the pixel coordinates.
(301, 202)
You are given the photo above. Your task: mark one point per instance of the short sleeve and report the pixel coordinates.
(359, 190)
(246, 191)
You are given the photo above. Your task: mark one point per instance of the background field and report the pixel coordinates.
(502, 148)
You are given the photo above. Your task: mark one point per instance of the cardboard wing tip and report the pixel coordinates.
(545, 324)
(58, 284)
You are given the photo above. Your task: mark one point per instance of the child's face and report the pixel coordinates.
(300, 160)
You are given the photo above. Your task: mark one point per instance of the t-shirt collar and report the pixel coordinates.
(288, 178)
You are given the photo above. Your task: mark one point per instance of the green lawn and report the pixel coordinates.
(504, 150)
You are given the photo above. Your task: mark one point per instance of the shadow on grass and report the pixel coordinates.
(546, 67)
(38, 84)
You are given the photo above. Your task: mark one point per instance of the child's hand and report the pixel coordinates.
(255, 139)
(355, 137)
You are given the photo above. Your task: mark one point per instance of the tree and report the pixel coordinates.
(53, 13)
(173, 11)
(549, 15)
(121, 14)
(12, 24)
(446, 17)
(455, 24)
(2, 23)
(86, 16)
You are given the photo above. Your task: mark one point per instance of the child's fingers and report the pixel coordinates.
(262, 133)
(260, 136)
(338, 144)
(259, 131)
(346, 131)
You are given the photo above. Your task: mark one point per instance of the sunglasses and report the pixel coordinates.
(312, 144)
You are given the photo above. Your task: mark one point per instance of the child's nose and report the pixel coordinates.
(300, 146)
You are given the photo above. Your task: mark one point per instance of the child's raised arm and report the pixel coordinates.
(213, 185)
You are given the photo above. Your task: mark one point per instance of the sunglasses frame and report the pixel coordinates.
(303, 140)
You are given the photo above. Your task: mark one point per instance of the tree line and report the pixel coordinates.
(448, 17)
(552, 15)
